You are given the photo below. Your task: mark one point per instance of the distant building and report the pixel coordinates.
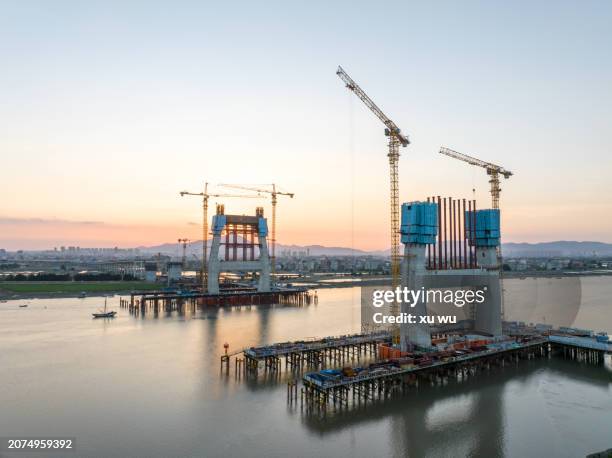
(175, 270)
(150, 272)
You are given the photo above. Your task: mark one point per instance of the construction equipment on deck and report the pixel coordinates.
(205, 196)
(494, 171)
(396, 138)
(274, 193)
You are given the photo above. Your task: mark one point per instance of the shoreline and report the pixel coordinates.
(9, 296)
(312, 282)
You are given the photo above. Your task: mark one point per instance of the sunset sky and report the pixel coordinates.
(109, 109)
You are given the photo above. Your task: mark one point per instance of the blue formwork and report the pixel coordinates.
(486, 231)
(419, 222)
(263, 227)
(218, 223)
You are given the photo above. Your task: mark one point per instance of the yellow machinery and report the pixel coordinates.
(494, 171)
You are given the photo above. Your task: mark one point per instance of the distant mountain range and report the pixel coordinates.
(195, 248)
(560, 248)
(533, 250)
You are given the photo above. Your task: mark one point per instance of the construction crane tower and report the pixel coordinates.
(205, 196)
(396, 138)
(494, 171)
(274, 193)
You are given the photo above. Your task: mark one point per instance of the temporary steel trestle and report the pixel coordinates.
(142, 302)
(318, 397)
(317, 354)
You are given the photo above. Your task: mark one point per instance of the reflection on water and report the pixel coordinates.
(152, 387)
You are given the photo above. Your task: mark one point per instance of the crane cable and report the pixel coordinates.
(351, 146)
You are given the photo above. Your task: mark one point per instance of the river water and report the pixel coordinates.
(151, 387)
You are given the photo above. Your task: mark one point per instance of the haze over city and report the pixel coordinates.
(109, 110)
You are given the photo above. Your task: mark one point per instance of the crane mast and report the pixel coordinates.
(395, 140)
(494, 171)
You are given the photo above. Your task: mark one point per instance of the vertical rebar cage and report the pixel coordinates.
(452, 250)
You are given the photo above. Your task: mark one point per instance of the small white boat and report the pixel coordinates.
(105, 313)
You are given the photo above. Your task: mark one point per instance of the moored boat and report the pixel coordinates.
(105, 313)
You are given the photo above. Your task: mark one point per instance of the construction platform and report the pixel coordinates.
(143, 301)
(379, 380)
(317, 352)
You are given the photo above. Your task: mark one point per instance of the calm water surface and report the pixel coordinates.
(151, 387)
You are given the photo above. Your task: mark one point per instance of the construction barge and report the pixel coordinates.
(176, 300)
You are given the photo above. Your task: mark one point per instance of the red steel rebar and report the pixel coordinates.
(464, 238)
(439, 233)
(445, 237)
(453, 254)
(473, 226)
(469, 232)
(428, 250)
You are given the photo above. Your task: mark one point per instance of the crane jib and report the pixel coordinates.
(392, 129)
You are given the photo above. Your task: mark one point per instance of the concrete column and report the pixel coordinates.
(488, 314)
(412, 274)
(264, 262)
(486, 257)
(214, 265)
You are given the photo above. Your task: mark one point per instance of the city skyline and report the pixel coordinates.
(109, 112)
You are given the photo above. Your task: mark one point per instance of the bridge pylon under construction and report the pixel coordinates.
(239, 244)
(450, 245)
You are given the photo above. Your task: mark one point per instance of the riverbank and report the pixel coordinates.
(50, 289)
(35, 289)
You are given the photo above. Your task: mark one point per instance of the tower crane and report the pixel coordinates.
(184, 242)
(205, 196)
(274, 193)
(494, 171)
(396, 138)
